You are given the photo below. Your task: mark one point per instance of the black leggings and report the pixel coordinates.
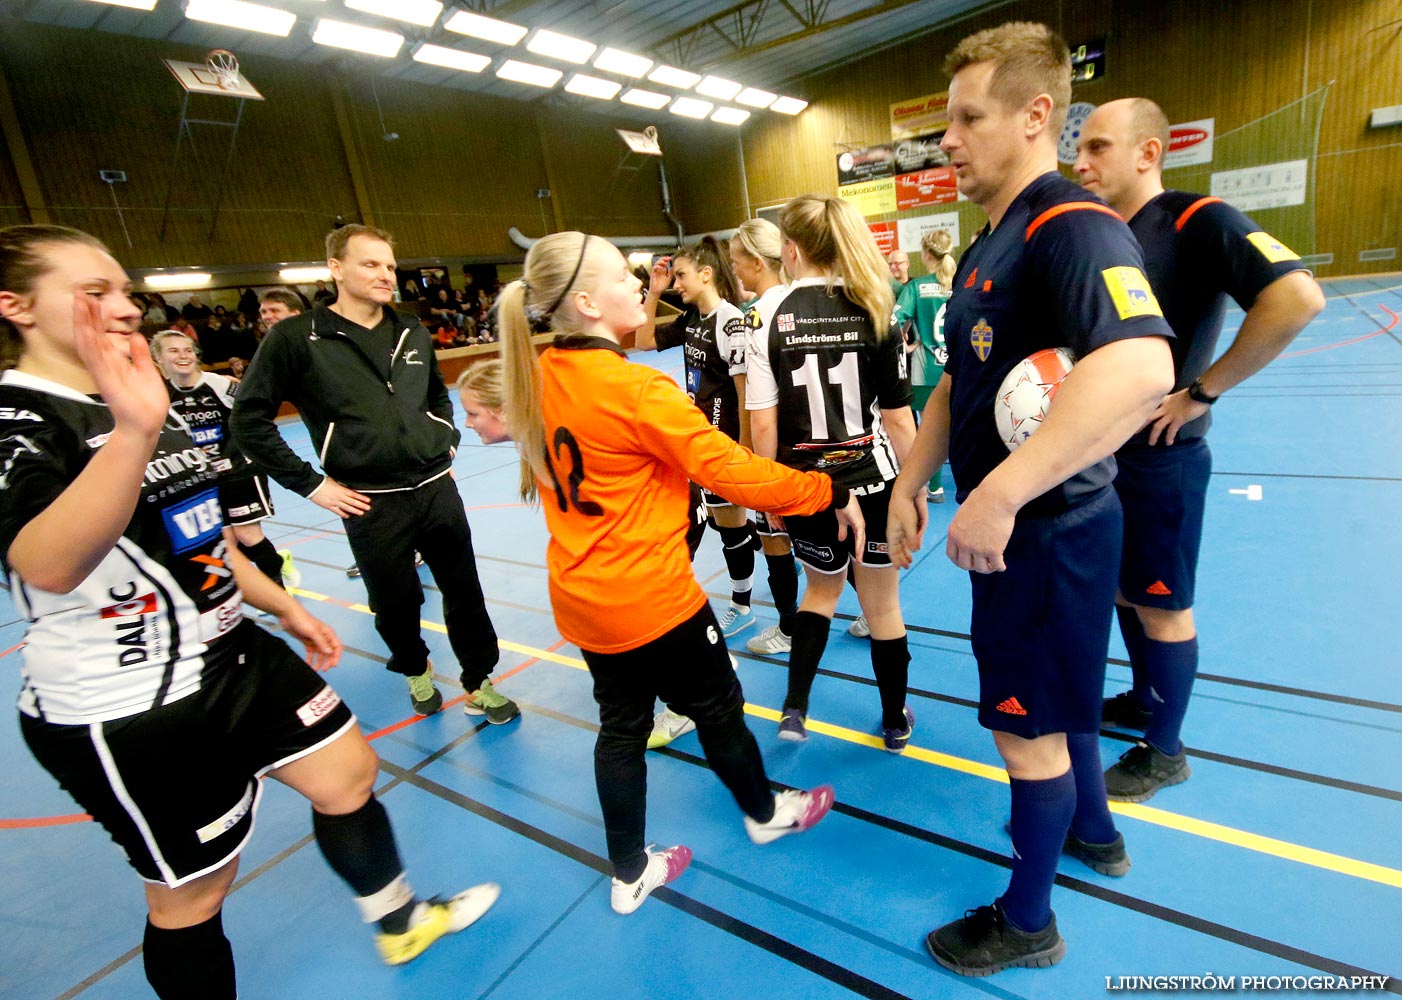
(690, 670)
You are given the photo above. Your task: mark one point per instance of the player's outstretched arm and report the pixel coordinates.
(1280, 312)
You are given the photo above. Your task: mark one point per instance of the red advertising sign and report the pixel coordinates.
(928, 187)
(1185, 137)
(885, 233)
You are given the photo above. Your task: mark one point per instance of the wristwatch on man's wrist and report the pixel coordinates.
(1199, 395)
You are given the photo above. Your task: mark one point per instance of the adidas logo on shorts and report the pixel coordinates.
(1011, 707)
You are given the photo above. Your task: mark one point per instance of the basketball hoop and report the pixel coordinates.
(225, 67)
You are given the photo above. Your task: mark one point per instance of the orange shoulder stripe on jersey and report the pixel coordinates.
(1190, 211)
(1070, 206)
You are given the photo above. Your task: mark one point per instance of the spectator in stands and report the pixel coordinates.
(323, 294)
(248, 304)
(196, 312)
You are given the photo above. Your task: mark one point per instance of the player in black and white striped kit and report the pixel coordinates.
(145, 692)
(203, 401)
(828, 391)
(712, 334)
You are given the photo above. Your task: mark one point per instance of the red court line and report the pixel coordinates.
(42, 821)
(1346, 343)
(411, 720)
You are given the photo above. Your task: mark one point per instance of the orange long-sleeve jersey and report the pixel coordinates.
(624, 441)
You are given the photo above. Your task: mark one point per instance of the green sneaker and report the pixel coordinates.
(291, 575)
(497, 708)
(426, 697)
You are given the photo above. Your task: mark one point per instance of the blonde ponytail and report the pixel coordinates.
(521, 388)
(832, 236)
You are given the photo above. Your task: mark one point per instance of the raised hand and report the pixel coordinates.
(127, 380)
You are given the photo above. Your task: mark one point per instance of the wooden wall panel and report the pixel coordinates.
(1232, 60)
(463, 170)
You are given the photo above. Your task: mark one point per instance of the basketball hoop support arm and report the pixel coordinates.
(183, 130)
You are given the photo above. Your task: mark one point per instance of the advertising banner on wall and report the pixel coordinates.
(1275, 185)
(858, 165)
(911, 231)
(929, 187)
(876, 197)
(917, 116)
(885, 234)
(1190, 143)
(920, 152)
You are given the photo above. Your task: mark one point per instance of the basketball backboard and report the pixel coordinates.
(198, 78)
(643, 143)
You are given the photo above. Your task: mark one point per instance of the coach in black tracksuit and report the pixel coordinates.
(368, 388)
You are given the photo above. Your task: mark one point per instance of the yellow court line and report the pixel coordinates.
(1244, 839)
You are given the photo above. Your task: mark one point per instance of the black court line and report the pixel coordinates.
(267, 866)
(792, 953)
(1332, 385)
(506, 974)
(1189, 921)
(1314, 395)
(1392, 333)
(1240, 762)
(1339, 699)
(1310, 475)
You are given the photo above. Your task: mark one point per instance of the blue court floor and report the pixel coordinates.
(1281, 857)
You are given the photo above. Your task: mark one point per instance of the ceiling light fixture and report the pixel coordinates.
(521, 72)
(670, 76)
(788, 105)
(438, 55)
(357, 38)
(179, 279)
(420, 12)
(721, 90)
(242, 15)
(690, 107)
(753, 97)
(622, 63)
(592, 86)
(489, 28)
(562, 47)
(730, 116)
(645, 99)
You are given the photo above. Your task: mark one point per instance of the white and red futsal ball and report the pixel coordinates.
(1027, 393)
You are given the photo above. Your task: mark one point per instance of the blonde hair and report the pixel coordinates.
(1028, 59)
(484, 380)
(760, 239)
(161, 339)
(832, 235)
(556, 266)
(938, 245)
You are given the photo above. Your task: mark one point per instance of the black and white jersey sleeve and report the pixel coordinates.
(832, 377)
(760, 391)
(145, 627)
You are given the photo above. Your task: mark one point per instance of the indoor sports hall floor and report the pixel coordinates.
(1281, 857)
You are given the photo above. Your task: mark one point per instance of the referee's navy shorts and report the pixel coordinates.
(1041, 628)
(1163, 491)
(177, 787)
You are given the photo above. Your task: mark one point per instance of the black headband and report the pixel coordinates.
(573, 274)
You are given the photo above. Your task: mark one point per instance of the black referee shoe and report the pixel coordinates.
(1142, 771)
(1124, 711)
(1108, 859)
(982, 942)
